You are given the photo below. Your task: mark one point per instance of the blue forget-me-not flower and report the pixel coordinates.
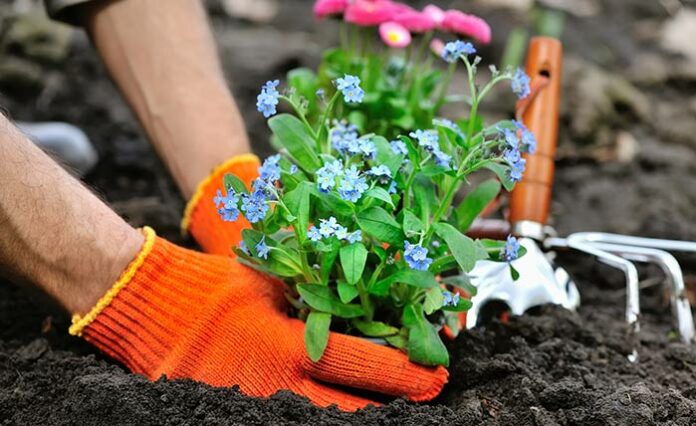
(267, 100)
(416, 256)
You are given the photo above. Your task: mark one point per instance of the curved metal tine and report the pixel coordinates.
(577, 242)
(627, 240)
(681, 309)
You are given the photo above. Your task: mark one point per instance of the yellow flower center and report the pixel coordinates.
(393, 36)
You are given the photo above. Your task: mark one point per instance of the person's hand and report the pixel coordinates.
(201, 218)
(186, 314)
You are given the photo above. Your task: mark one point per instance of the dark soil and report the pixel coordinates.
(548, 367)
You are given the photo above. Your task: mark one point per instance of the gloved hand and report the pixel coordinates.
(187, 314)
(201, 219)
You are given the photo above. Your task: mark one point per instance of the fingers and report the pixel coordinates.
(354, 362)
(324, 396)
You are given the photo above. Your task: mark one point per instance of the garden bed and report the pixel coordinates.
(547, 367)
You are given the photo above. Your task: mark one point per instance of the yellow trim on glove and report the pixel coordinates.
(193, 202)
(79, 323)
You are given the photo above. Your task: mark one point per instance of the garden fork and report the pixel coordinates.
(540, 280)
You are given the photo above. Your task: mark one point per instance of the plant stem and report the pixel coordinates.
(407, 190)
(328, 113)
(365, 300)
(301, 116)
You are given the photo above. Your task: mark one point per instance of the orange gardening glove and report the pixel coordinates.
(186, 314)
(201, 218)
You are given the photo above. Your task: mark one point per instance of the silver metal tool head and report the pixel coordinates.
(540, 283)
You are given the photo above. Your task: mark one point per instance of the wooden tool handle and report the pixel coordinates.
(531, 197)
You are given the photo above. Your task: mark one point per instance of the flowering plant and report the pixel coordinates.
(361, 227)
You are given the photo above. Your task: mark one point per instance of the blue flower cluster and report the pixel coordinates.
(255, 204)
(517, 140)
(227, 205)
(456, 49)
(270, 169)
(398, 147)
(450, 125)
(520, 84)
(381, 173)
(350, 86)
(430, 142)
(345, 139)
(331, 228)
(351, 183)
(511, 249)
(262, 249)
(450, 299)
(527, 138)
(267, 100)
(416, 256)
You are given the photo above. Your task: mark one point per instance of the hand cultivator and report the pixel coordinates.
(540, 280)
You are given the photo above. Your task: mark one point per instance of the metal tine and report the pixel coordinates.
(578, 242)
(627, 240)
(681, 310)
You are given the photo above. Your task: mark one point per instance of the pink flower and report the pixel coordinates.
(413, 20)
(370, 12)
(324, 8)
(394, 34)
(467, 25)
(435, 13)
(437, 46)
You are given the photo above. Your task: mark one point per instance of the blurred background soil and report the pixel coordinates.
(626, 164)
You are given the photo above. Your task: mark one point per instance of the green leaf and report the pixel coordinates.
(478, 124)
(433, 300)
(463, 282)
(452, 321)
(304, 81)
(412, 225)
(328, 258)
(323, 299)
(295, 137)
(442, 264)
(386, 156)
(297, 202)
(333, 205)
(376, 222)
(462, 247)
(382, 195)
(413, 154)
(232, 181)
(282, 261)
(424, 196)
(475, 202)
(400, 340)
(515, 274)
(432, 171)
(494, 249)
(463, 305)
(421, 279)
(374, 328)
(424, 344)
(502, 172)
(346, 292)
(353, 258)
(316, 335)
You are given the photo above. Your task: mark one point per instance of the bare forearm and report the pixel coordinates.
(163, 57)
(54, 233)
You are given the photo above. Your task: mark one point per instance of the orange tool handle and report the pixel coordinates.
(531, 197)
